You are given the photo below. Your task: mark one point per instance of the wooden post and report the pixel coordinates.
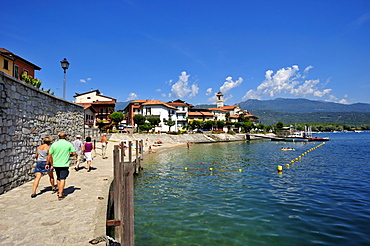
(122, 152)
(142, 149)
(137, 160)
(118, 189)
(128, 205)
(130, 151)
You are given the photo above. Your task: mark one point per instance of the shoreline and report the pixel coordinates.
(171, 141)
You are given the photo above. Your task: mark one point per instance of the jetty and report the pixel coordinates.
(273, 137)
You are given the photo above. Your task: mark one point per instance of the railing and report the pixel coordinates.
(123, 191)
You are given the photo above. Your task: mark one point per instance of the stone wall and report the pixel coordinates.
(27, 115)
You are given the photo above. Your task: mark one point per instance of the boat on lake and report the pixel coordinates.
(318, 139)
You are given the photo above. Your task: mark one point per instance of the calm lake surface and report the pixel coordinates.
(323, 199)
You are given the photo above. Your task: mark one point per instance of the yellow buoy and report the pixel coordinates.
(287, 165)
(185, 168)
(240, 170)
(210, 169)
(280, 168)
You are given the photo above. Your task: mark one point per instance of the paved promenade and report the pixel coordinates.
(45, 220)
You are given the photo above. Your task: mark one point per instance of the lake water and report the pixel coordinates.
(323, 199)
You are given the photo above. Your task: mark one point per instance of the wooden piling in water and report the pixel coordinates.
(123, 192)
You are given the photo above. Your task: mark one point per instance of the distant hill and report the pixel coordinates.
(287, 105)
(268, 117)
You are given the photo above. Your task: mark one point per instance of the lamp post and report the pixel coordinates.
(65, 65)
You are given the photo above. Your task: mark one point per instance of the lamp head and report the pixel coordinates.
(65, 64)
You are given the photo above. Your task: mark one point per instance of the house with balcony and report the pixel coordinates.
(220, 114)
(98, 107)
(152, 108)
(15, 65)
(181, 112)
(201, 116)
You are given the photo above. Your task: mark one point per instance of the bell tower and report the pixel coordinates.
(220, 99)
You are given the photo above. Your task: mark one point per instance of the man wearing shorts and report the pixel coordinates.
(77, 144)
(59, 154)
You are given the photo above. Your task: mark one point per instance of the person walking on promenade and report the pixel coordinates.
(42, 166)
(59, 158)
(104, 143)
(87, 148)
(77, 144)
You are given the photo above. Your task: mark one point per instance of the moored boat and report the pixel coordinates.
(318, 139)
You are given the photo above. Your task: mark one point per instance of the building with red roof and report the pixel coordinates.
(15, 65)
(98, 107)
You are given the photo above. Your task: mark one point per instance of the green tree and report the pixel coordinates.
(146, 127)
(169, 123)
(261, 126)
(220, 124)
(116, 117)
(227, 116)
(247, 126)
(139, 120)
(154, 121)
(279, 125)
(208, 124)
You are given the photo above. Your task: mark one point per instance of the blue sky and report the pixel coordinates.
(190, 50)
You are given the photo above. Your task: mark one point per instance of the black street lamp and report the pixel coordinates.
(65, 65)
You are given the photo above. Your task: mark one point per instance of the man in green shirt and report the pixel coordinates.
(58, 157)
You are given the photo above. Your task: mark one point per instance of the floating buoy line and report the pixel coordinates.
(280, 167)
(211, 169)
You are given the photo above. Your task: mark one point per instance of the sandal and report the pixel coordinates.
(33, 195)
(76, 168)
(54, 190)
(61, 197)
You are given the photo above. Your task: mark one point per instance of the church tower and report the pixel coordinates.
(220, 99)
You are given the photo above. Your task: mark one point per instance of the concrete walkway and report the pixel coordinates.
(44, 220)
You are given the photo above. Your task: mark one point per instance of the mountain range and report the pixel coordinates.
(287, 105)
(307, 111)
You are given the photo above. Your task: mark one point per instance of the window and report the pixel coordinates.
(16, 71)
(6, 64)
(148, 111)
(88, 98)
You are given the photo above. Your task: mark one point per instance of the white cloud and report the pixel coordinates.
(158, 90)
(343, 101)
(182, 88)
(333, 98)
(132, 96)
(224, 89)
(85, 80)
(306, 71)
(287, 81)
(230, 84)
(213, 99)
(209, 91)
(164, 95)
